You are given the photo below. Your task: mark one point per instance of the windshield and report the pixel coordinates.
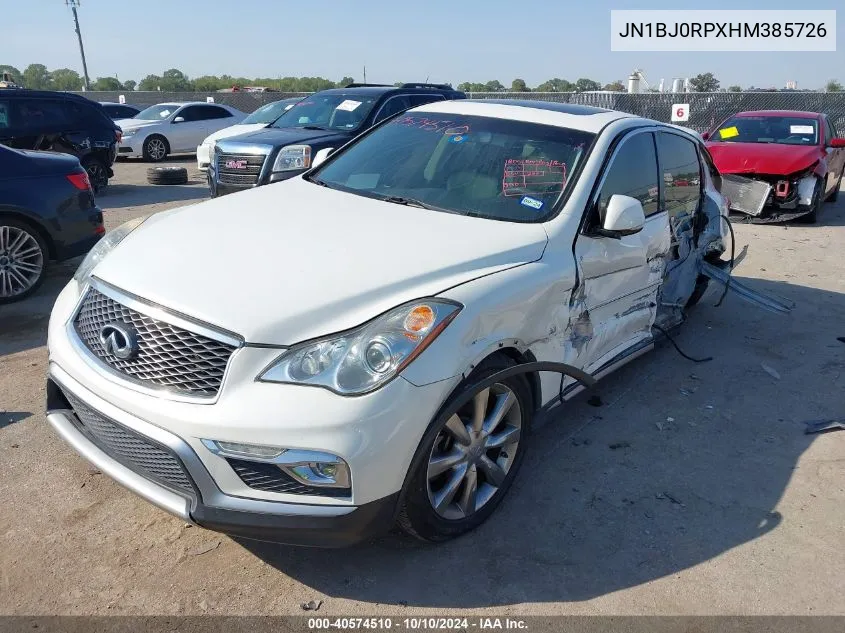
(784, 130)
(334, 111)
(270, 112)
(472, 165)
(156, 112)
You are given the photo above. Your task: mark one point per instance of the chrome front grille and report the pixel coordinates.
(167, 357)
(135, 451)
(239, 169)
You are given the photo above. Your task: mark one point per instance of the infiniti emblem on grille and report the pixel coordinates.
(119, 340)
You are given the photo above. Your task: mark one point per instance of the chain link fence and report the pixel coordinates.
(706, 109)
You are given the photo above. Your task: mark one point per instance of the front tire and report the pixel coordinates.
(468, 457)
(98, 173)
(23, 260)
(156, 148)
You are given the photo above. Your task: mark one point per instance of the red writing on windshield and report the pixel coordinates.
(533, 175)
(432, 125)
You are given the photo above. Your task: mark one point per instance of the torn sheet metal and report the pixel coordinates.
(766, 301)
(746, 195)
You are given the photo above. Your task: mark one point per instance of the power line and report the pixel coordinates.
(73, 4)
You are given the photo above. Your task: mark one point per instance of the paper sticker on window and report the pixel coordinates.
(533, 203)
(164, 113)
(801, 129)
(362, 181)
(349, 105)
(728, 132)
(536, 176)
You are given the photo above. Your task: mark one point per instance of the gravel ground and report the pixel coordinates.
(691, 490)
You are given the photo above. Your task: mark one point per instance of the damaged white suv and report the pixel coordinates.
(314, 361)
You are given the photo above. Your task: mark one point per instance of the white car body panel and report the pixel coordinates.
(287, 278)
(302, 261)
(204, 148)
(182, 137)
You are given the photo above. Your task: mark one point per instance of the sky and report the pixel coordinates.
(442, 40)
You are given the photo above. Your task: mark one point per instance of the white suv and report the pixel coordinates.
(313, 361)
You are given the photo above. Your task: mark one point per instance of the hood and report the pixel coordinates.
(279, 137)
(234, 130)
(292, 261)
(134, 124)
(762, 158)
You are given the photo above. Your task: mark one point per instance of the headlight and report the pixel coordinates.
(363, 359)
(293, 157)
(104, 247)
(128, 133)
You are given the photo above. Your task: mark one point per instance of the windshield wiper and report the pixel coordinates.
(413, 202)
(314, 127)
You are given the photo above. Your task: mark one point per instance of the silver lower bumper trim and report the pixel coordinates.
(163, 498)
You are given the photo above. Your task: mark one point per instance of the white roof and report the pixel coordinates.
(579, 117)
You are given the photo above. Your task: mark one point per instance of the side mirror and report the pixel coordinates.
(321, 156)
(705, 136)
(624, 216)
(837, 142)
(179, 119)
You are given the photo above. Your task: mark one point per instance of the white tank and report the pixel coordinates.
(677, 85)
(634, 83)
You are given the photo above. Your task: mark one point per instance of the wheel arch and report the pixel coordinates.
(26, 218)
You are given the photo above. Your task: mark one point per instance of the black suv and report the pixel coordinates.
(61, 122)
(323, 121)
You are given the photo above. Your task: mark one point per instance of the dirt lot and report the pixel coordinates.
(691, 490)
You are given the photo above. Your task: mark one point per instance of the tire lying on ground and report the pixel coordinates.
(167, 175)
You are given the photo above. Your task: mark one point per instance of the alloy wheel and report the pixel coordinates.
(473, 453)
(21, 261)
(156, 148)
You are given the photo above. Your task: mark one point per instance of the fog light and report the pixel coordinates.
(331, 474)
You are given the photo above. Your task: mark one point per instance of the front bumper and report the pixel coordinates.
(376, 435)
(203, 157)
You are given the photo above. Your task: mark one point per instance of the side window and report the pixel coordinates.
(5, 115)
(829, 132)
(417, 100)
(633, 172)
(393, 105)
(715, 176)
(217, 113)
(42, 114)
(681, 174)
(192, 113)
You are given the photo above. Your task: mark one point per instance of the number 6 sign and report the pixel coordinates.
(680, 112)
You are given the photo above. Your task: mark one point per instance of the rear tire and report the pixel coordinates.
(167, 175)
(98, 173)
(441, 501)
(23, 260)
(156, 148)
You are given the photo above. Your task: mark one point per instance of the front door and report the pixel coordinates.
(184, 136)
(613, 307)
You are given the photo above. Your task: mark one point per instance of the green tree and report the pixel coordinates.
(833, 86)
(174, 80)
(734, 88)
(704, 82)
(107, 84)
(494, 86)
(14, 72)
(150, 82)
(129, 85)
(615, 86)
(583, 85)
(66, 79)
(472, 86)
(36, 77)
(556, 85)
(208, 83)
(345, 82)
(518, 85)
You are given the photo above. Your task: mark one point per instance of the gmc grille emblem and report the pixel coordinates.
(236, 164)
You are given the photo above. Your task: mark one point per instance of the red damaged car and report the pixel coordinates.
(778, 165)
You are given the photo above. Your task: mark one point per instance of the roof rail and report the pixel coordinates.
(354, 85)
(425, 85)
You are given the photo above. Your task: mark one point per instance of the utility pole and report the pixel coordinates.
(73, 4)
(365, 73)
